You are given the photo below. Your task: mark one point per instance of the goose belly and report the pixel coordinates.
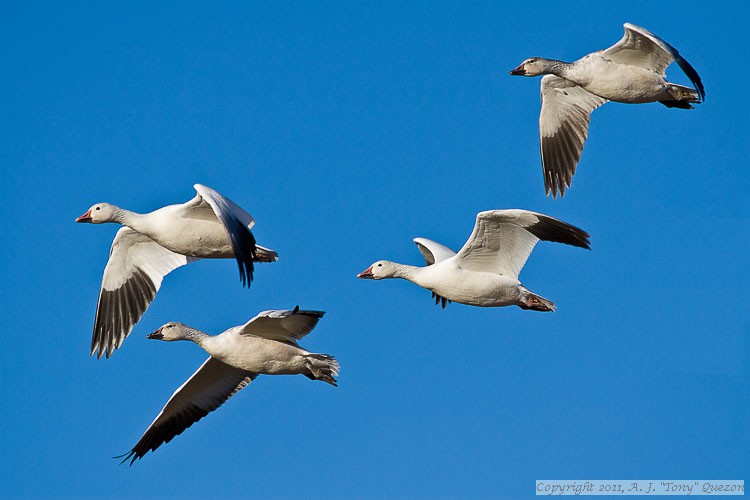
(263, 356)
(621, 83)
(196, 238)
(479, 289)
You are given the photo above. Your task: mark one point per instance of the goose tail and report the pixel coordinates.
(529, 300)
(683, 96)
(263, 254)
(322, 367)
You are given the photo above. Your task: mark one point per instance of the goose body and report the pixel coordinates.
(256, 354)
(485, 271)
(150, 246)
(633, 71)
(448, 280)
(187, 235)
(612, 81)
(265, 345)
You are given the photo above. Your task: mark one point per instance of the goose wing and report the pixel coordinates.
(133, 275)
(433, 251)
(563, 128)
(502, 240)
(640, 47)
(206, 390)
(282, 325)
(209, 204)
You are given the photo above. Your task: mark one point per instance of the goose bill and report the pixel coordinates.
(157, 335)
(366, 274)
(85, 217)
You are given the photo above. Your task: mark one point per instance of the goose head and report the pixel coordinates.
(99, 213)
(533, 66)
(379, 270)
(170, 332)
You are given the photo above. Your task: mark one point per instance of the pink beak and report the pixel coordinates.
(366, 274)
(85, 217)
(157, 335)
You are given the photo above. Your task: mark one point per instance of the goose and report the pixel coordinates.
(150, 246)
(485, 271)
(265, 345)
(632, 71)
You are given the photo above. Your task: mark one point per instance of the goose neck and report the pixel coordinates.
(406, 272)
(126, 217)
(137, 222)
(559, 68)
(196, 336)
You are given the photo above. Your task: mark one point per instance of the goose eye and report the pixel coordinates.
(380, 265)
(97, 208)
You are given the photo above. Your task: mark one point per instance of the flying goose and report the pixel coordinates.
(265, 345)
(152, 245)
(485, 271)
(632, 71)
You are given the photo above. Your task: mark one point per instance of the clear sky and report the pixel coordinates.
(346, 130)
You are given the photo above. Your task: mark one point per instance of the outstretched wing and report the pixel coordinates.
(133, 275)
(563, 128)
(640, 47)
(206, 390)
(502, 240)
(282, 325)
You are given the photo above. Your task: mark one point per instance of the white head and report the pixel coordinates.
(534, 66)
(99, 213)
(171, 331)
(379, 270)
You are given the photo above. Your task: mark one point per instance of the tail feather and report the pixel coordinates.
(535, 302)
(683, 96)
(263, 254)
(322, 367)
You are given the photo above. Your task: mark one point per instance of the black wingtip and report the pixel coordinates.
(314, 314)
(441, 301)
(117, 312)
(550, 229)
(693, 75)
(554, 181)
(244, 251)
(131, 455)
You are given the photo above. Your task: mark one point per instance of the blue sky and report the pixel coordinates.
(346, 130)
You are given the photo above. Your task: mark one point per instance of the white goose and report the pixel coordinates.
(267, 344)
(152, 245)
(631, 71)
(485, 271)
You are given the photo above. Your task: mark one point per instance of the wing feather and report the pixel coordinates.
(133, 275)
(207, 389)
(563, 128)
(433, 251)
(502, 240)
(282, 325)
(237, 223)
(640, 47)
